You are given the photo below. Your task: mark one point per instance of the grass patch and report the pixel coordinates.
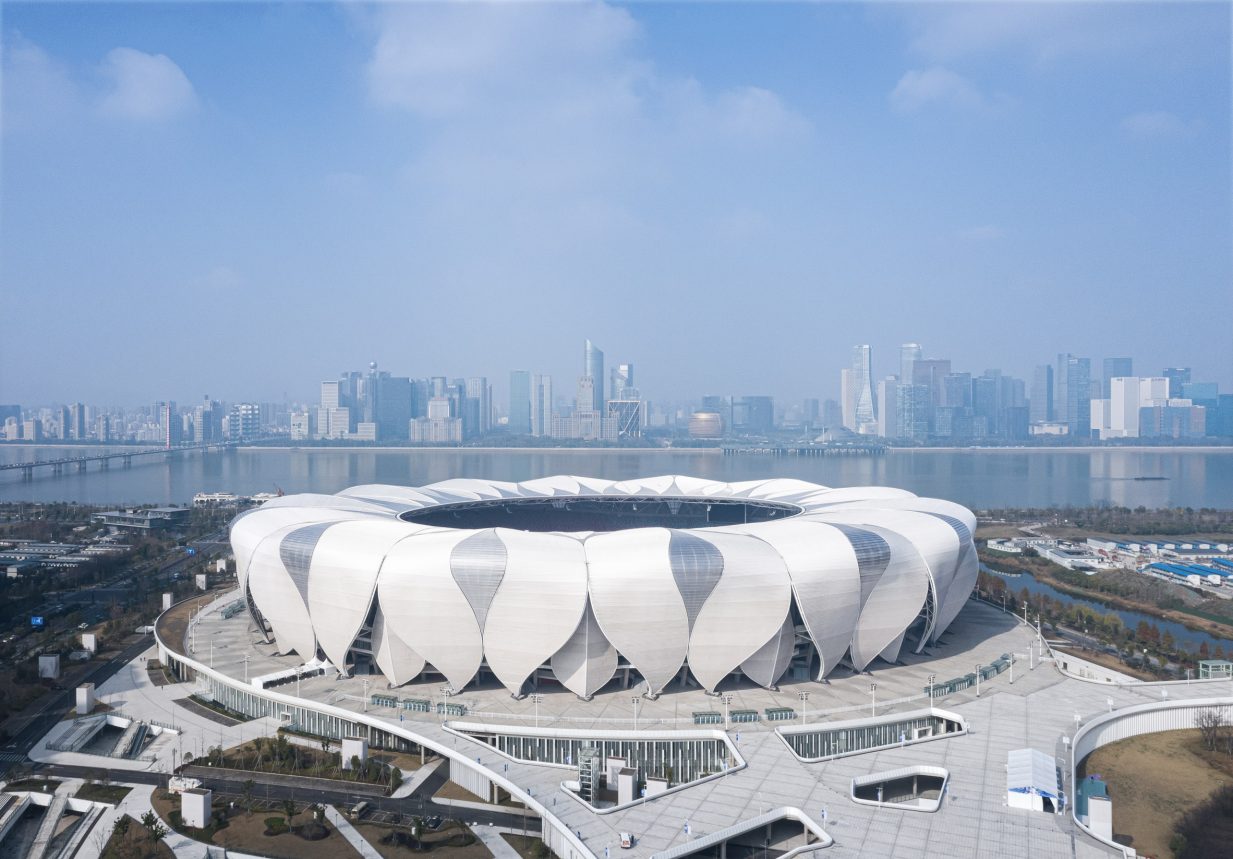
(528, 846)
(42, 785)
(109, 793)
(133, 841)
(220, 709)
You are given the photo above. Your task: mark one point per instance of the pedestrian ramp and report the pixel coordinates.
(47, 829)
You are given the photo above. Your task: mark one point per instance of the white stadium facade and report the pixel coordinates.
(659, 581)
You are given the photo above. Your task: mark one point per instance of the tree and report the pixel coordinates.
(395, 779)
(1211, 723)
(247, 791)
(289, 809)
(357, 768)
(153, 825)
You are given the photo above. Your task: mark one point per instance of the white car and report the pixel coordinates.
(627, 840)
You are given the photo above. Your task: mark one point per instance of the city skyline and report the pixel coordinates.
(743, 204)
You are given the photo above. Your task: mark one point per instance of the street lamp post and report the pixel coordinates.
(634, 701)
(727, 700)
(932, 677)
(804, 696)
(978, 679)
(245, 669)
(1012, 669)
(364, 703)
(535, 699)
(873, 699)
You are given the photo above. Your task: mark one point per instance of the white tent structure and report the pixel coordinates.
(1031, 781)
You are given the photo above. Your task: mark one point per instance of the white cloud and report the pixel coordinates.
(1159, 124)
(143, 86)
(37, 89)
(921, 88)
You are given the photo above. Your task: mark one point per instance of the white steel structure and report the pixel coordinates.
(579, 576)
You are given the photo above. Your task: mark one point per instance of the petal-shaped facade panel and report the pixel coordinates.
(279, 596)
(249, 529)
(826, 582)
(636, 601)
(773, 658)
(478, 565)
(894, 587)
(587, 661)
(343, 579)
(398, 662)
(538, 605)
(744, 610)
(426, 608)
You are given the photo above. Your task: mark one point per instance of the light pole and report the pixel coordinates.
(873, 699)
(1012, 669)
(932, 677)
(727, 700)
(804, 696)
(977, 679)
(634, 701)
(364, 702)
(245, 669)
(535, 699)
(445, 701)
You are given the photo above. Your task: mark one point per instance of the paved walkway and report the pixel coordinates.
(349, 832)
(497, 846)
(412, 784)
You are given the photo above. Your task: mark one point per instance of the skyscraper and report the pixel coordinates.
(541, 405)
(1041, 400)
(866, 407)
(1177, 377)
(519, 402)
(1113, 368)
(1072, 394)
(622, 378)
(477, 415)
(909, 354)
(593, 360)
(888, 398)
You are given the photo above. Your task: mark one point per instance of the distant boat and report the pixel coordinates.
(1149, 478)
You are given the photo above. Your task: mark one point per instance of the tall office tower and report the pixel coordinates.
(393, 407)
(102, 428)
(866, 403)
(77, 420)
(914, 409)
(541, 404)
(832, 415)
(622, 378)
(519, 402)
(1041, 400)
(421, 390)
(437, 386)
(909, 354)
(584, 400)
(478, 411)
(986, 394)
(62, 421)
(888, 417)
(169, 423)
(331, 395)
(1114, 367)
(957, 390)
(753, 415)
(929, 372)
(1177, 376)
(367, 403)
(1072, 394)
(593, 360)
(847, 398)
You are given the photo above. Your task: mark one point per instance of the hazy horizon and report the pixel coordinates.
(245, 199)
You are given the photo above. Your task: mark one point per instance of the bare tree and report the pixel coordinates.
(1211, 723)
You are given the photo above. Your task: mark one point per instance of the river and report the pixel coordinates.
(977, 478)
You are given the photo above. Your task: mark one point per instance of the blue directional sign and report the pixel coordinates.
(36, 621)
(189, 550)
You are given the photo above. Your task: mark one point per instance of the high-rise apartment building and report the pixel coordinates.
(169, 424)
(593, 364)
(77, 421)
(244, 421)
(888, 399)
(519, 411)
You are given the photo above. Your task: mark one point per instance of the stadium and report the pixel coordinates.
(584, 584)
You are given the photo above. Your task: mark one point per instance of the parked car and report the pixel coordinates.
(627, 840)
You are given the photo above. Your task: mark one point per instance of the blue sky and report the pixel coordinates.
(243, 199)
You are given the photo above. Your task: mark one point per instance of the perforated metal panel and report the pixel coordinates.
(873, 554)
(296, 553)
(478, 565)
(696, 566)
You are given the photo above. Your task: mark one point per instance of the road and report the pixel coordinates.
(266, 787)
(50, 707)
